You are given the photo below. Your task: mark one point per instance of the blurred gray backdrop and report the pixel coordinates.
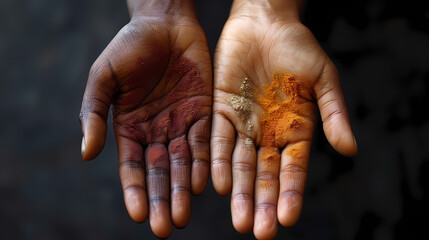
(381, 49)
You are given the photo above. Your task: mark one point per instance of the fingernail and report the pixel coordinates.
(355, 141)
(83, 145)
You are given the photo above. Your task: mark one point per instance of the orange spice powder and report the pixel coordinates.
(267, 186)
(281, 111)
(296, 153)
(270, 155)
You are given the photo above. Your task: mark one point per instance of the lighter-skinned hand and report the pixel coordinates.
(260, 40)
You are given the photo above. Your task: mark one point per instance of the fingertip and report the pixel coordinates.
(341, 138)
(136, 204)
(93, 146)
(181, 211)
(339, 134)
(221, 183)
(94, 135)
(159, 220)
(199, 180)
(242, 215)
(265, 226)
(354, 149)
(289, 208)
(351, 147)
(162, 232)
(83, 146)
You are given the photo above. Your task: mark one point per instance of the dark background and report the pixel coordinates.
(381, 49)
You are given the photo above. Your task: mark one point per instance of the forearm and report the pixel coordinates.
(160, 8)
(285, 8)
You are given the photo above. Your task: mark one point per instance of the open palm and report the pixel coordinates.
(156, 74)
(267, 178)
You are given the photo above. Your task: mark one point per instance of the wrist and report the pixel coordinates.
(285, 9)
(162, 8)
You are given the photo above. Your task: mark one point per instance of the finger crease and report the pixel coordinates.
(133, 164)
(243, 196)
(265, 205)
(331, 116)
(157, 172)
(293, 168)
(177, 189)
(201, 161)
(220, 162)
(156, 199)
(291, 192)
(135, 187)
(243, 166)
(264, 176)
(180, 162)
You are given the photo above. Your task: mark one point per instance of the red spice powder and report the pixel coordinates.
(156, 153)
(181, 79)
(160, 127)
(184, 81)
(178, 149)
(182, 116)
(176, 95)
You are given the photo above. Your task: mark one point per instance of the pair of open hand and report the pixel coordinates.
(173, 123)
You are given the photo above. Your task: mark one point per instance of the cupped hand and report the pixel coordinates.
(156, 74)
(270, 75)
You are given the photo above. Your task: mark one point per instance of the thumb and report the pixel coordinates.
(333, 110)
(96, 102)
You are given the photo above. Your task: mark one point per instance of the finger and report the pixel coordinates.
(95, 108)
(266, 193)
(180, 167)
(243, 179)
(293, 175)
(333, 109)
(156, 159)
(221, 144)
(131, 173)
(199, 143)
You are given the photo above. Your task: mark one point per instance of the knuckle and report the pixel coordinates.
(290, 192)
(242, 196)
(134, 187)
(180, 189)
(219, 162)
(157, 172)
(201, 161)
(222, 140)
(293, 168)
(180, 162)
(266, 176)
(243, 166)
(199, 139)
(131, 164)
(265, 205)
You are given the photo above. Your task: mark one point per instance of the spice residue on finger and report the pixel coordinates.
(270, 155)
(296, 152)
(281, 116)
(243, 106)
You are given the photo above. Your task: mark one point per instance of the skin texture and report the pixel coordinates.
(267, 183)
(157, 76)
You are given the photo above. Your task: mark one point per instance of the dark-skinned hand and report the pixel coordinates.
(156, 74)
